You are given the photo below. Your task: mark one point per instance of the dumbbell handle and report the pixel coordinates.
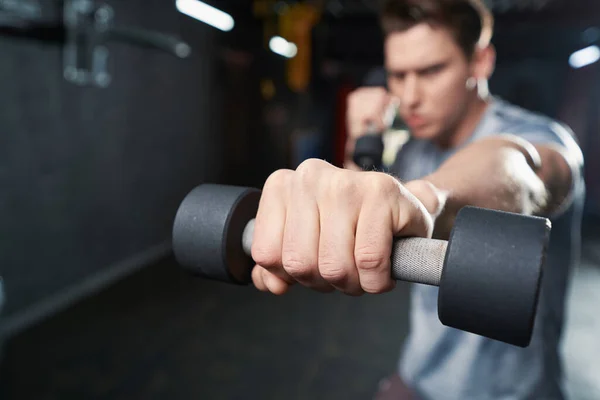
(416, 260)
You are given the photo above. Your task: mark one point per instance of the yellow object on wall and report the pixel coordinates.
(295, 25)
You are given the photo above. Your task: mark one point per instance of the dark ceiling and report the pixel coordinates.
(561, 9)
(524, 28)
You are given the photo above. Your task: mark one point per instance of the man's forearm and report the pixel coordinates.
(496, 174)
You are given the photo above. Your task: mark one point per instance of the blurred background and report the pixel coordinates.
(111, 111)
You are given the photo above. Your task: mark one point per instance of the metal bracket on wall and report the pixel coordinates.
(89, 27)
(16, 11)
(85, 57)
(85, 30)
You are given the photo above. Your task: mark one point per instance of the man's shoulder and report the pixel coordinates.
(542, 130)
(516, 117)
(533, 126)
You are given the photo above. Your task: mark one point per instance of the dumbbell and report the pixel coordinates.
(369, 148)
(368, 152)
(488, 272)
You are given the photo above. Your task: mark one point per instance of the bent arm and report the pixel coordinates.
(502, 172)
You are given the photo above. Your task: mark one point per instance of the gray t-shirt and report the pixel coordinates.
(444, 363)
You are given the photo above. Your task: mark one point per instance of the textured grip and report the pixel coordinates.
(418, 260)
(414, 260)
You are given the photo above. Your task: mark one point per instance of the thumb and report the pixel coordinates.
(414, 219)
(266, 281)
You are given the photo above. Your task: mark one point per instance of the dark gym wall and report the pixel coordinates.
(91, 178)
(525, 82)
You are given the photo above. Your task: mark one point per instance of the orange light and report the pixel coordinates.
(295, 25)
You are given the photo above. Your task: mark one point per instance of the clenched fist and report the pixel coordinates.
(367, 107)
(329, 228)
(369, 110)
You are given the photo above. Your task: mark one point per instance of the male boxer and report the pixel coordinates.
(331, 229)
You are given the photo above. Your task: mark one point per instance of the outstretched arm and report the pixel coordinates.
(501, 172)
(329, 228)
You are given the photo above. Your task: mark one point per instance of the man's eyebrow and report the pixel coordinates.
(434, 65)
(438, 65)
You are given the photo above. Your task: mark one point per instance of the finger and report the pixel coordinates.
(378, 120)
(274, 284)
(367, 112)
(391, 111)
(373, 247)
(257, 278)
(270, 224)
(302, 230)
(367, 123)
(336, 248)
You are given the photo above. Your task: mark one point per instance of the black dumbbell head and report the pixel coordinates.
(492, 274)
(368, 152)
(208, 229)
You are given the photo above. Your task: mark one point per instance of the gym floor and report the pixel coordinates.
(161, 335)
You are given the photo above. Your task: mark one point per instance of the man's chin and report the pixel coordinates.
(425, 133)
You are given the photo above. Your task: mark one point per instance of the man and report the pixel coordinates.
(332, 229)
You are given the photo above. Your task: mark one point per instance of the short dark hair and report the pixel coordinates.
(470, 21)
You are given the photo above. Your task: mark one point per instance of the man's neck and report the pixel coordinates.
(467, 124)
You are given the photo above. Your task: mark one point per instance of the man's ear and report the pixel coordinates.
(484, 62)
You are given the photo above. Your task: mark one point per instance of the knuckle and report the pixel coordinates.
(379, 92)
(364, 96)
(344, 185)
(277, 180)
(369, 258)
(308, 170)
(310, 165)
(333, 273)
(381, 184)
(352, 98)
(265, 256)
(297, 266)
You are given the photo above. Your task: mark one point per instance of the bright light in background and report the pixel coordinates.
(205, 13)
(280, 46)
(584, 57)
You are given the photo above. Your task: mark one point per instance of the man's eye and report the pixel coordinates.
(432, 70)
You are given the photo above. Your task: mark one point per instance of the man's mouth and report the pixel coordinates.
(415, 121)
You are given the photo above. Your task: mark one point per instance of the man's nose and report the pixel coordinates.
(411, 93)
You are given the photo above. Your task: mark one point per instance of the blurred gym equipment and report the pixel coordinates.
(85, 30)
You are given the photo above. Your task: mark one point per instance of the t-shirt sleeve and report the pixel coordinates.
(562, 138)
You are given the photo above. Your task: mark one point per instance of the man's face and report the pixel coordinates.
(428, 71)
